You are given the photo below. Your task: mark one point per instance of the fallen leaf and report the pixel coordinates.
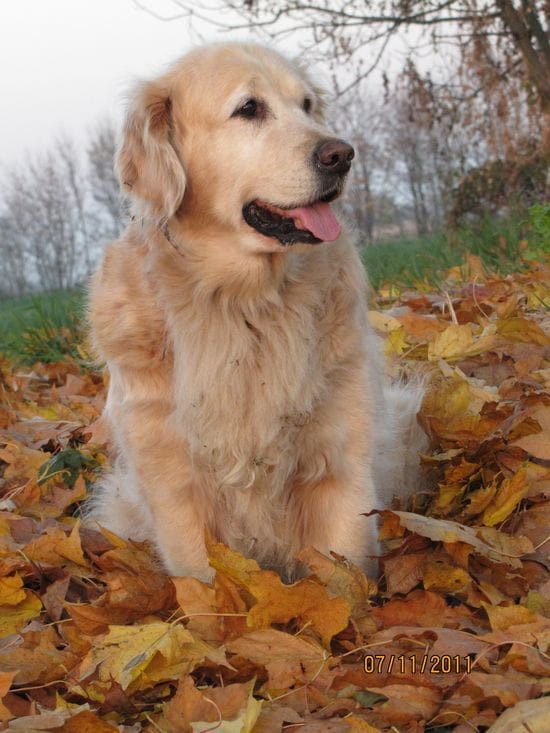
(279, 603)
(6, 678)
(509, 494)
(288, 660)
(13, 618)
(444, 578)
(443, 530)
(421, 608)
(11, 590)
(125, 652)
(55, 548)
(451, 343)
(232, 708)
(502, 617)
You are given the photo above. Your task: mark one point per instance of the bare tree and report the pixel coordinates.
(513, 34)
(102, 181)
(14, 259)
(44, 206)
(359, 121)
(56, 212)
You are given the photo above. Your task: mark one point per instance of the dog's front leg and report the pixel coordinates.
(158, 456)
(328, 515)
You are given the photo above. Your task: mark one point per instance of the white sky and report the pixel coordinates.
(66, 63)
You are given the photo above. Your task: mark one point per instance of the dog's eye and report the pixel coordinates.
(250, 109)
(306, 104)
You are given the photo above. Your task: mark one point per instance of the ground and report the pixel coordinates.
(454, 636)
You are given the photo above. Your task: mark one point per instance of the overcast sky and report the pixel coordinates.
(65, 63)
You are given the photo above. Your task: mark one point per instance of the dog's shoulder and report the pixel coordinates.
(127, 324)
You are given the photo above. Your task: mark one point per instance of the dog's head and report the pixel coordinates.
(232, 140)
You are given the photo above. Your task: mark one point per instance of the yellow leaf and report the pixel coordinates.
(537, 603)
(358, 725)
(451, 343)
(113, 538)
(307, 600)
(13, 618)
(6, 679)
(395, 342)
(444, 578)
(22, 461)
(230, 562)
(11, 590)
(125, 653)
(446, 494)
(501, 617)
(509, 494)
(479, 499)
(447, 398)
(523, 330)
(383, 321)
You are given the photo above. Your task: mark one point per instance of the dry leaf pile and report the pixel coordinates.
(94, 637)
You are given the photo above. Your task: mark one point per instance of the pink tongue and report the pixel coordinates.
(319, 219)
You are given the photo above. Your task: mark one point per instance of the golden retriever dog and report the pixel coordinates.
(246, 391)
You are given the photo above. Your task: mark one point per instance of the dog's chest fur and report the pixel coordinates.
(246, 382)
(249, 374)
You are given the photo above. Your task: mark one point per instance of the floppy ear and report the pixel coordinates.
(147, 164)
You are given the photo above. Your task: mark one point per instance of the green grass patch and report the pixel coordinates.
(504, 245)
(403, 262)
(43, 327)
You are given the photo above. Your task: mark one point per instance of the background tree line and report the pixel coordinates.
(57, 209)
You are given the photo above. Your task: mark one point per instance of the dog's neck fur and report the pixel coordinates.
(241, 280)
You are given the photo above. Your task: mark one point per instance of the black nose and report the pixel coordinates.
(333, 156)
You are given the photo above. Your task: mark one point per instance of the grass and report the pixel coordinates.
(49, 326)
(503, 245)
(43, 327)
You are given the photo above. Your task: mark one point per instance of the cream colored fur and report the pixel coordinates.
(246, 388)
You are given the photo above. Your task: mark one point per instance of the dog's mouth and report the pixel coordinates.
(310, 223)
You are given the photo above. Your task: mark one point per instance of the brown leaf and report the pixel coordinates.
(523, 330)
(87, 722)
(420, 608)
(55, 548)
(288, 660)
(341, 578)
(405, 704)
(198, 602)
(53, 597)
(231, 706)
(279, 603)
(528, 715)
(403, 572)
